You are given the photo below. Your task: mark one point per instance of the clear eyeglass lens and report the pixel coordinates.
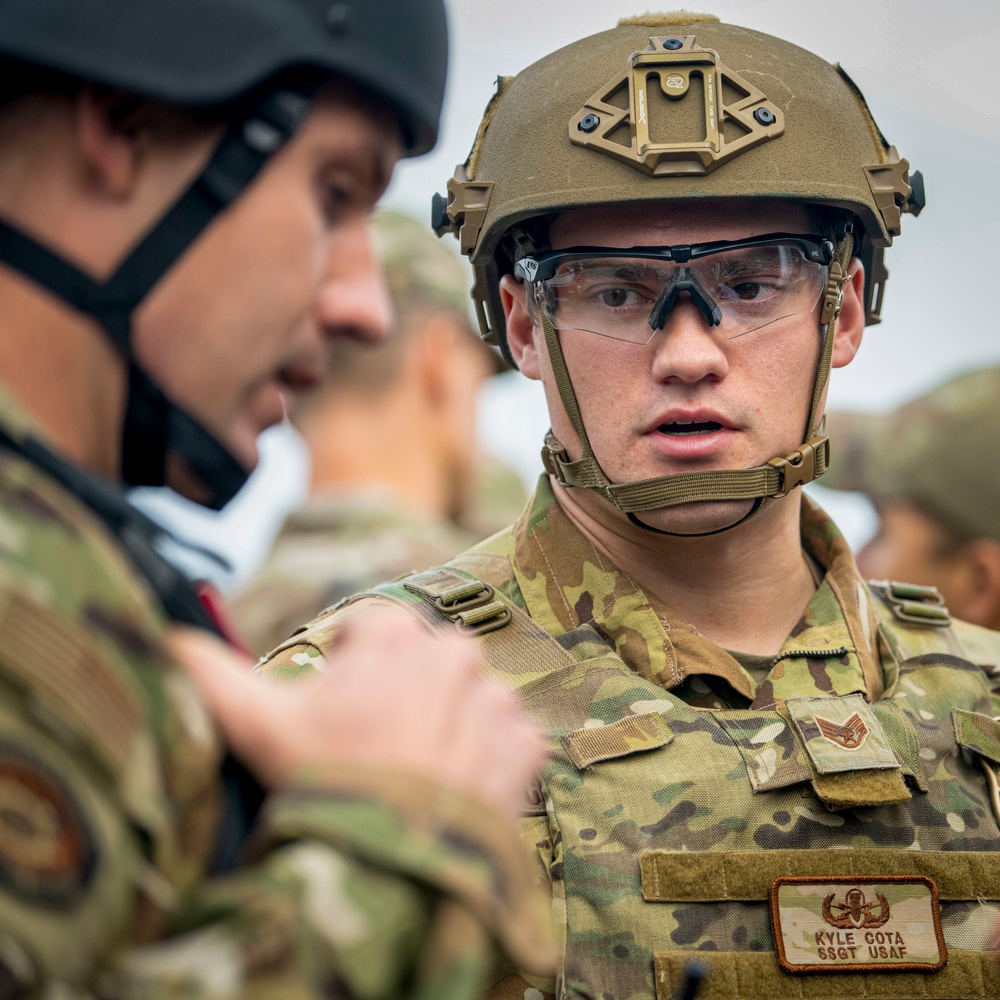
(616, 296)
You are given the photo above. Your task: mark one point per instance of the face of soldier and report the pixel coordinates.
(690, 399)
(913, 546)
(909, 545)
(248, 312)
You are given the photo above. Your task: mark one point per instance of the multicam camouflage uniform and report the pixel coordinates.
(110, 795)
(684, 779)
(337, 544)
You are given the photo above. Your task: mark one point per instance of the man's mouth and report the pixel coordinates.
(680, 428)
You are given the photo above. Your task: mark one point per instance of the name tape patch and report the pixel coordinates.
(851, 923)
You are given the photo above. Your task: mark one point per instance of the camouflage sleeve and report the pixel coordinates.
(368, 886)
(352, 889)
(509, 982)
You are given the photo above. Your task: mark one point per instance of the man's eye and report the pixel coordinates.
(618, 297)
(614, 297)
(335, 199)
(751, 289)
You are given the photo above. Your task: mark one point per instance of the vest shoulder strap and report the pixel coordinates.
(453, 596)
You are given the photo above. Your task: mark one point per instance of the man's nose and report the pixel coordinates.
(354, 299)
(688, 348)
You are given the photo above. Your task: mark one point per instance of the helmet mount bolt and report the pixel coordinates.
(765, 116)
(588, 123)
(673, 43)
(340, 18)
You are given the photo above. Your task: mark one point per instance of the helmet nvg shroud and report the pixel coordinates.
(268, 59)
(667, 107)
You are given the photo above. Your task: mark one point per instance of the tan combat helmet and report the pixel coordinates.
(677, 106)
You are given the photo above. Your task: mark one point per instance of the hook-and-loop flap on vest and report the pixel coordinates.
(632, 734)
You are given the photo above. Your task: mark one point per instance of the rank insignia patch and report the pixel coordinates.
(841, 734)
(850, 735)
(851, 923)
(46, 846)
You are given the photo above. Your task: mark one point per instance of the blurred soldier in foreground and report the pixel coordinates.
(391, 433)
(932, 469)
(184, 186)
(757, 760)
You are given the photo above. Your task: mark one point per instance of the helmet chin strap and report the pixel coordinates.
(774, 478)
(154, 426)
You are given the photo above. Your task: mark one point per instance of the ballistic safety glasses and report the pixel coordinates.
(627, 293)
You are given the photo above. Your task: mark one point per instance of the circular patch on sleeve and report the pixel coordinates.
(47, 853)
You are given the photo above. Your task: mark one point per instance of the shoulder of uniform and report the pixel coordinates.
(910, 603)
(919, 614)
(306, 648)
(980, 645)
(54, 547)
(462, 592)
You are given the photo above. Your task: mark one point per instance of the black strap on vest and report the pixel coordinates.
(138, 534)
(155, 425)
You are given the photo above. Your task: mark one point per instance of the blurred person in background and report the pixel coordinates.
(396, 479)
(932, 469)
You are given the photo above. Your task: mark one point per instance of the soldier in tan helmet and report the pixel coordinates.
(757, 760)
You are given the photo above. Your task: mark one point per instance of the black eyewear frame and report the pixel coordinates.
(542, 266)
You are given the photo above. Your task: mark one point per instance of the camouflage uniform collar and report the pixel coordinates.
(567, 584)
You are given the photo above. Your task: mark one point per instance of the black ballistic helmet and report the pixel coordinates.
(266, 57)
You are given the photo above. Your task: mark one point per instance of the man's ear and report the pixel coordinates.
(520, 326)
(110, 140)
(850, 325)
(979, 572)
(433, 348)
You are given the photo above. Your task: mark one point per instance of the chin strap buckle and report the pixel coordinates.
(554, 457)
(833, 299)
(803, 465)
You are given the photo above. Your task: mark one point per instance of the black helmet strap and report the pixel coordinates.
(154, 425)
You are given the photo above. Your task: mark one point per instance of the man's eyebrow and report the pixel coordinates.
(639, 270)
(754, 257)
(634, 269)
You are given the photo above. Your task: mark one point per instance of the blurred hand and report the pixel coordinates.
(394, 696)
